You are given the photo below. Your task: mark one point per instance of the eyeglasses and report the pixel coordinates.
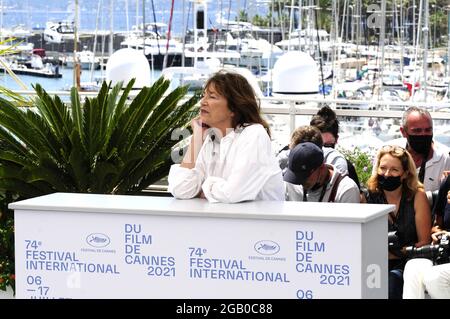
(397, 150)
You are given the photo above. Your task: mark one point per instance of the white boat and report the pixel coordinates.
(155, 46)
(254, 53)
(18, 31)
(86, 59)
(307, 40)
(58, 32)
(19, 46)
(197, 75)
(30, 66)
(392, 78)
(17, 36)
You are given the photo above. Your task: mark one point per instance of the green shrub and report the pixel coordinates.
(103, 146)
(7, 277)
(362, 161)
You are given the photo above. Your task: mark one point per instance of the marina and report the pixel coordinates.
(338, 66)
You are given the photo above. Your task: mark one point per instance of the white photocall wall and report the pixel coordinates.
(104, 246)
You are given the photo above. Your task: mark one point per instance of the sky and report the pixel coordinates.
(35, 13)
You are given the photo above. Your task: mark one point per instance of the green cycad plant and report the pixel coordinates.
(7, 277)
(104, 145)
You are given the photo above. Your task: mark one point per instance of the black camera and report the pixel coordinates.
(394, 245)
(438, 253)
(393, 239)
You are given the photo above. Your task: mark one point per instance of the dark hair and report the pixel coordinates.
(306, 133)
(240, 96)
(325, 120)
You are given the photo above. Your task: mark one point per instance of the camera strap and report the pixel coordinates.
(339, 178)
(422, 169)
(394, 216)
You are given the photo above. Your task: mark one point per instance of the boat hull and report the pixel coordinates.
(156, 60)
(34, 72)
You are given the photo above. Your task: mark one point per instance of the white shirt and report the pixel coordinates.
(420, 274)
(335, 158)
(435, 166)
(347, 191)
(239, 167)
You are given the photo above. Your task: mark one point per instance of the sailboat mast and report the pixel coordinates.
(76, 69)
(94, 46)
(425, 48)
(335, 39)
(111, 27)
(137, 13)
(291, 20)
(183, 62)
(414, 22)
(1, 21)
(448, 52)
(319, 51)
(168, 35)
(126, 16)
(402, 36)
(143, 28)
(416, 49)
(382, 44)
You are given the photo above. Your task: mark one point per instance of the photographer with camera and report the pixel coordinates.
(395, 182)
(441, 210)
(432, 273)
(422, 275)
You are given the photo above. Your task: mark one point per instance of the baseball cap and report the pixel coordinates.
(303, 159)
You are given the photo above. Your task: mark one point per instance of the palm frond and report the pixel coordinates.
(102, 145)
(9, 50)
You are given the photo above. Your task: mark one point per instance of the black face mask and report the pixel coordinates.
(420, 143)
(329, 145)
(389, 183)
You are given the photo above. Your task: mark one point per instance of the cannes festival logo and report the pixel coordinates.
(98, 240)
(267, 247)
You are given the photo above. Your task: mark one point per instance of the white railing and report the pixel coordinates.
(295, 106)
(303, 105)
(296, 100)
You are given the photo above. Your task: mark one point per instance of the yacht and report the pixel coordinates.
(86, 59)
(58, 32)
(256, 54)
(155, 46)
